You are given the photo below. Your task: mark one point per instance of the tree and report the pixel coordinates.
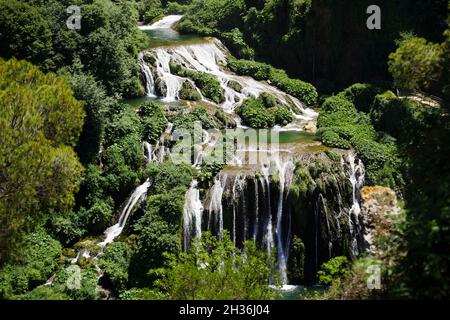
(216, 269)
(416, 63)
(40, 122)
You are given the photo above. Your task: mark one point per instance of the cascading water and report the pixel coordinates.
(164, 23)
(285, 172)
(357, 175)
(192, 215)
(149, 82)
(209, 57)
(114, 231)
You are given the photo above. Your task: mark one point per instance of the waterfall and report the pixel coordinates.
(215, 202)
(210, 57)
(357, 175)
(114, 231)
(149, 82)
(148, 151)
(192, 215)
(285, 171)
(165, 23)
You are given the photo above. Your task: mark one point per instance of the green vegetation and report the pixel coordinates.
(225, 272)
(208, 84)
(40, 122)
(341, 125)
(106, 46)
(264, 112)
(333, 269)
(420, 70)
(304, 91)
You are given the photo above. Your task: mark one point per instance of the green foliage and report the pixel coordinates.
(253, 113)
(173, 7)
(333, 269)
(158, 228)
(283, 115)
(84, 290)
(115, 263)
(225, 119)
(107, 44)
(416, 64)
(216, 269)
(43, 293)
(153, 14)
(261, 71)
(34, 261)
(341, 125)
(264, 112)
(234, 40)
(296, 262)
(153, 121)
(208, 84)
(40, 122)
(142, 294)
(189, 92)
(88, 90)
(236, 86)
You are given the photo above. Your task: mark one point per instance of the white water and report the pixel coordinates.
(165, 23)
(114, 231)
(192, 214)
(209, 57)
(149, 82)
(357, 174)
(285, 172)
(215, 203)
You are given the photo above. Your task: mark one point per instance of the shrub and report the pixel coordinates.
(282, 114)
(261, 71)
(115, 263)
(189, 92)
(208, 84)
(227, 272)
(335, 268)
(254, 114)
(234, 40)
(153, 121)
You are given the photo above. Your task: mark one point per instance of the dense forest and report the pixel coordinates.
(96, 204)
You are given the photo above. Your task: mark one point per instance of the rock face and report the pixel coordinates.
(377, 203)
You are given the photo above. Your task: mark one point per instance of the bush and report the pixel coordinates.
(208, 84)
(332, 139)
(335, 268)
(189, 92)
(255, 115)
(227, 272)
(260, 71)
(37, 258)
(234, 40)
(236, 86)
(115, 263)
(153, 121)
(282, 114)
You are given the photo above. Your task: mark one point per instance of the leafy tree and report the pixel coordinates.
(333, 269)
(40, 121)
(216, 269)
(416, 64)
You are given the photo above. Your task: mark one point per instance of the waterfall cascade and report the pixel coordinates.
(192, 214)
(210, 57)
(256, 202)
